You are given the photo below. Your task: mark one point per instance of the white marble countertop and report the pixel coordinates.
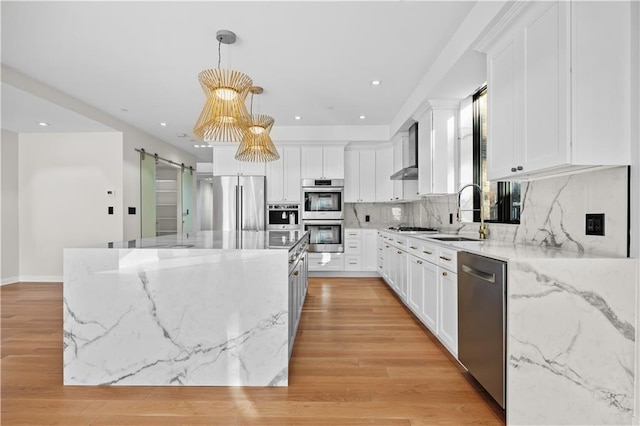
(222, 240)
(501, 250)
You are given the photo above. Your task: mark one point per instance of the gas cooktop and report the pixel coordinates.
(414, 229)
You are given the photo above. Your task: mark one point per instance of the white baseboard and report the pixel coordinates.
(344, 274)
(41, 279)
(10, 280)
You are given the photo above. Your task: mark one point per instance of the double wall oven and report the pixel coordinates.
(323, 214)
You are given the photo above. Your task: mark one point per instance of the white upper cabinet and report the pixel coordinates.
(322, 162)
(437, 139)
(224, 162)
(283, 176)
(360, 176)
(384, 170)
(558, 89)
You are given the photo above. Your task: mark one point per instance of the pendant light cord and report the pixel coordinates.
(251, 112)
(219, 43)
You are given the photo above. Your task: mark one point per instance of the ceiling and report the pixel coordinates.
(138, 61)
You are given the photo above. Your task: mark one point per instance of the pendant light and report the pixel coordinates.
(256, 145)
(224, 112)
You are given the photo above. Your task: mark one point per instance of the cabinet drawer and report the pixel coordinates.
(326, 261)
(352, 233)
(352, 246)
(352, 263)
(428, 252)
(448, 259)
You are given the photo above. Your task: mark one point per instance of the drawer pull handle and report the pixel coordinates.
(386, 246)
(427, 252)
(399, 242)
(448, 259)
(413, 247)
(444, 274)
(399, 252)
(353, 246)
(353, 263)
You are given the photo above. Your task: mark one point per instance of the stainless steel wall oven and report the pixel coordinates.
(323, 199)
(325, 236)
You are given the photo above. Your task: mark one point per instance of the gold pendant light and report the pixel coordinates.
(224, 114)
(256, 145)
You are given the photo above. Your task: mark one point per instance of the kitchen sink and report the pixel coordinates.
(454, 239)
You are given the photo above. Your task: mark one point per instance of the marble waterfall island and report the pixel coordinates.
(207, 309)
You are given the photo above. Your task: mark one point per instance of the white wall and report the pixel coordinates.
(9, 243)
(133, 138)
(63, 200)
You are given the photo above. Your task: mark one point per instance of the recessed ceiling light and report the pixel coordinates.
(163, 124)
(297, 117)
(43, 124)
(182, 135)
(362, 117)
(196, 146)
(375, 82)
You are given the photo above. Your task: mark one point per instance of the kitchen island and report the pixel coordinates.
(211, 308)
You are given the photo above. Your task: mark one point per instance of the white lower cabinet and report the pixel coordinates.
(448, 309)
(326, 261)
(425, 278)
(360, 249)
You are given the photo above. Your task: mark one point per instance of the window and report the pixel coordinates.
(501, 199)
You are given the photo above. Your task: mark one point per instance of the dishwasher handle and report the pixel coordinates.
(479, 274)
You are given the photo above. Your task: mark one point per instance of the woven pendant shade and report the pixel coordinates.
(257, 146)
(224, 115)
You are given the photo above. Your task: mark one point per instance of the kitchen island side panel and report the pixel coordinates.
(571, 341)
(197, 317)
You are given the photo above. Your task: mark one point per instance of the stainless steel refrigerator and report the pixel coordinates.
(239, 203)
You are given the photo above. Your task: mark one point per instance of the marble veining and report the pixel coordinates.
(176, 317)
(571, 341)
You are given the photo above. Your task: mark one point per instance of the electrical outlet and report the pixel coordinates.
(132, 210)
(110, 210)
(367, 218)
(594, 224)
(450, 218)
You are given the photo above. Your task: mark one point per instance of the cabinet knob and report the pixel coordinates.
(419, 262)
(444, 274)
(513, 169)
(519, 167)
(296, 272)
(399, 252)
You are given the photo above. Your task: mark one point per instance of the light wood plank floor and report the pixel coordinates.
(360, 359)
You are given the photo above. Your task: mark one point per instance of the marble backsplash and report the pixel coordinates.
(552, 214)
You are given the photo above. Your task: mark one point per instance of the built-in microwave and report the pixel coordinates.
(325, 236)
(323, 199)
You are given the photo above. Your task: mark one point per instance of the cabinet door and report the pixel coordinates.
(387, 262)
(416, 286)
(275, 179)
(502, 106)
(429, 313)
(367, 176)
(384, 170)
(401, 275)
(443, 141)
(369, 252)
(448, 310)
(351, 176)
(311, 162)
(291, 174)
(425, 172)
(250, 168)
(333, 162)
(224, 162)
(546, 63)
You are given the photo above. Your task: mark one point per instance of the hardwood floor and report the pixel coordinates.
(360, 359)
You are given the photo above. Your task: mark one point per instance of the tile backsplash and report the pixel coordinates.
(552, 215)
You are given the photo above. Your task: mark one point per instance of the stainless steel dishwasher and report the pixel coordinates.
(482, 321)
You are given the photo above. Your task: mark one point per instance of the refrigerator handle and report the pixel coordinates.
(241, 207)
(237, 209)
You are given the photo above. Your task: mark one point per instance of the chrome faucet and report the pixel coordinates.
(484, 231)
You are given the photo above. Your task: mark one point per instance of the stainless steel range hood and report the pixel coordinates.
(409, 170)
